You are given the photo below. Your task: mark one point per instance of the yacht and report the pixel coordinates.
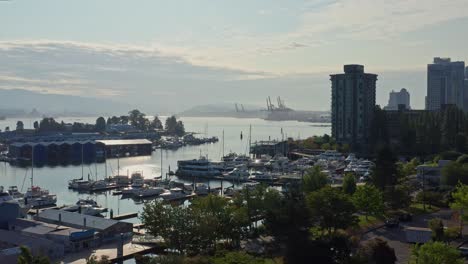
(5, 197)
(237, 175)
(173, 194)
(201, 167)
(331, 155)
(262, 176)
(87, 207)
(102, 185)
(15, 194)
(79, 184)
(148, 192)
(37, 197)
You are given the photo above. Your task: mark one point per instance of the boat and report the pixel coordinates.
(87, 207)
(237, 175)
(331, 155)
(37, 197)
(201, 167)
(173, 194)
(262, 176)
(148, 192)
(102, 185)
(5, 197)
(79, 184)
(13, 191)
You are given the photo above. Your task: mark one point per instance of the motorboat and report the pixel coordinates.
(173, 194)
(237, 175)
(148, 192)
(102, 185)
(331, 155)
(13, 191)
(87, 207)
(79, 184)
(201, 167)
(38, 197)
(6, 198)
(262, 176)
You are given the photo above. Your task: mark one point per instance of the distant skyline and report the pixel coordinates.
(171, 55)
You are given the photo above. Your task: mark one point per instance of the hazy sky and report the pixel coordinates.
(170, 55)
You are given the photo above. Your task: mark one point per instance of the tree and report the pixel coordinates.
(331, 209)
(19, 126)
(369, 200)
(430, 197)
(377, 251)
(100, 124)
(397, 197)
(454, 173)
(26, 257)
(349, 184)
(435, 253)
(156, 123)
(314, 180)
(460, 199)
(94, 260)
(437, 228)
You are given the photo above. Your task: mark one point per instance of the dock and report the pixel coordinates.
(125, 216)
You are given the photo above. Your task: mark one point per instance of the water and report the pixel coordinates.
(55, 179)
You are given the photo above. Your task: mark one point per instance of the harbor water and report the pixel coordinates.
(55, 179)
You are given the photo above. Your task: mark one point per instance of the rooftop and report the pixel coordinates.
(76, 219)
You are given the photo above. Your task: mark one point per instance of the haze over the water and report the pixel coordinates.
(172, 55)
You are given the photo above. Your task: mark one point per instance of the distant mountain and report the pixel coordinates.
(56, 103)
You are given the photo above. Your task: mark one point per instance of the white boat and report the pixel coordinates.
(237, 175)
(87, 207)
(148, 192)
(13, 191)
(202, 189)
(262, 176)
(173, 194)
(5, 197)
(201, 167)
(102, 185)
(37, 197)
(331, 155)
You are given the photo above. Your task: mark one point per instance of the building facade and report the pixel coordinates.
(353, 104)
(445, 84)
(398, 100)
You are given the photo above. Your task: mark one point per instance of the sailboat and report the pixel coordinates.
(36, 196)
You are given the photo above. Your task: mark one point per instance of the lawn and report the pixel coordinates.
(418, 208)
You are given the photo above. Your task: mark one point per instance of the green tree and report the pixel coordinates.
(454, 173)
(314, 179)
(460, 200)
(331, 209)
(94, 260)
(369, 200)
(435, 253)
(437, 228)
(156, 123)
(432, 198)
(349, 183)
(397, 197)
(100, 124)
(26, 257)
(377, 251)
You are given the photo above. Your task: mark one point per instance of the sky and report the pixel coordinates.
(171, 55)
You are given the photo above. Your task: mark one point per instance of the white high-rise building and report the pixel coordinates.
(445, 84)
(398, 99)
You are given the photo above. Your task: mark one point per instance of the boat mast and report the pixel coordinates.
(250, 138)
(161, 163)
(118, 162)
(223, 144)
(82, 163)
(32, 166)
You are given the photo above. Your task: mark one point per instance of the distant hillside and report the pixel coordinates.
(55, 103)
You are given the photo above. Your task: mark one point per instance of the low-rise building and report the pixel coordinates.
(106, 229)
(431, 173)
